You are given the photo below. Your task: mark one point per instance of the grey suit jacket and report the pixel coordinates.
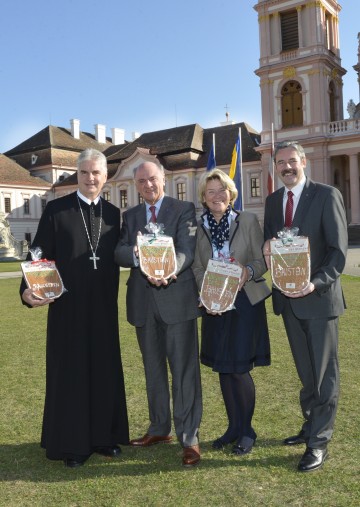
(176, 302)
(246, 241)
(320, 215)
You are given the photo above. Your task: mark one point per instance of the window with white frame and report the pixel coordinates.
(255, 190)
(181, 191)
(26, 206)
(7, 203)
(123, 199)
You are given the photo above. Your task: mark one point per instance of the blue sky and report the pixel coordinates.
(138, 65)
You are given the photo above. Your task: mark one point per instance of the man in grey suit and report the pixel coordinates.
(165, 313)
(311, 316)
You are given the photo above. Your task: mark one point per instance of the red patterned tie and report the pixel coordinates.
(153, 214)
(289, 209)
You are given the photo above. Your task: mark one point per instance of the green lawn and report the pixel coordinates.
(154, 476)
(6, 267)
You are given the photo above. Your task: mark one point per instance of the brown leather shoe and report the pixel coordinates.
(191, 456)
(148, 440)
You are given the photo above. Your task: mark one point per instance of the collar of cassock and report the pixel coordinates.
(85, 199)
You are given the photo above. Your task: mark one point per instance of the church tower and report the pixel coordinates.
(300, 67)
(301, 87)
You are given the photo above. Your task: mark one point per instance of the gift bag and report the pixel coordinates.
(42, 276)
(220, 285)
(290, 261)
(156, 251)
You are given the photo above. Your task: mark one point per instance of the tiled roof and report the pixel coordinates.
(58, 137)
(54, 146)
(163, 142)
(12, 173)
(182, 141)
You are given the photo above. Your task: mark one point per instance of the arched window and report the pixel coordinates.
(291, 104)
(332, 101)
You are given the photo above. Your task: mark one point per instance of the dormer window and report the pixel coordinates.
(34, 159)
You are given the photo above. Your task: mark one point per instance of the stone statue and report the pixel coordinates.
(351, 108)
(4, 231)
(10, 248)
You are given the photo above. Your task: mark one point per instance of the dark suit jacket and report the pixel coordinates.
(178, 301)
(320, 216)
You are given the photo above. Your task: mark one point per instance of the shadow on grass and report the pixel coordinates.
(27, 462)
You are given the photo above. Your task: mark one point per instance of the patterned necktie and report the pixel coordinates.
(289, 209)
(153, 214)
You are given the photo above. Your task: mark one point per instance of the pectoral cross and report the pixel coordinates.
(94, 259)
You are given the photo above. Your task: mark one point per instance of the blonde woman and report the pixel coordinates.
(234, 342)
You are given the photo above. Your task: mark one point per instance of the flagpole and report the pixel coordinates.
(240, 169)
(272, 154)
(214, 145)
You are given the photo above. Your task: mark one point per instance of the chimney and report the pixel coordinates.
(135, 135)
(75, 128)
(118, 136)
(100, 133)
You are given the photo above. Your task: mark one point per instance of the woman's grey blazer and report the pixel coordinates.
(246, 240)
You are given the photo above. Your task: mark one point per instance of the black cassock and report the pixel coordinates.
(85, 404)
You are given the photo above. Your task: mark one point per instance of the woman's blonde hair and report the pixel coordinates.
(225, 180)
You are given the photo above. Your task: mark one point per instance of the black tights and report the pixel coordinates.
(238, 390)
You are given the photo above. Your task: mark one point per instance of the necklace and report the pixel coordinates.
(93, 258)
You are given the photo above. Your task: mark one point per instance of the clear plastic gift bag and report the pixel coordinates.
(220, 284)
(156, 251)
(42, 276)
(290, 261)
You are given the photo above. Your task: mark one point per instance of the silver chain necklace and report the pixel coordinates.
(93, 258)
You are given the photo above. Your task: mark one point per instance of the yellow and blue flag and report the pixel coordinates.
(235, 172)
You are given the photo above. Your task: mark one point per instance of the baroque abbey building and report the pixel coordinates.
(300, 78)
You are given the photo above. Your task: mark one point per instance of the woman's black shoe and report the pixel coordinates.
(243, 446)
(221, 442)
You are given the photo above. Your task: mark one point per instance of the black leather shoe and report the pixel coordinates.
(244, 446)
(112, 451)
(312, 459)
(296, 439)
(75, 461)
(221, 442)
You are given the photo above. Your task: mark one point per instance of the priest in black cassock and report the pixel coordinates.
(85, 407)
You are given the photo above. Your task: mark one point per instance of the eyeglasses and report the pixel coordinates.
(292, 162)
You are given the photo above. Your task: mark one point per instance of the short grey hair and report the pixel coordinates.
(155, 162)
(295, 145)
(92, 154)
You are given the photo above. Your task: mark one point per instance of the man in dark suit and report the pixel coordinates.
(165, 313)
(311, 316)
